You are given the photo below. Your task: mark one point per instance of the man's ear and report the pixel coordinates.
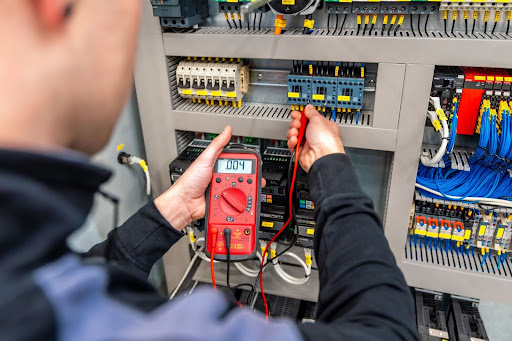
(52, 13)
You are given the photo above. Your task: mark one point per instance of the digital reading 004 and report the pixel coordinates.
(240, 166)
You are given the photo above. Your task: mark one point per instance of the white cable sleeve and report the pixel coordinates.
(246, 271)
(289, 278)
(148, 183)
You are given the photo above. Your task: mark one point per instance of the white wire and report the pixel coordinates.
(488, 201)
(289, 278)
(445, 133)
(199, 251)
(148, 183)
(185, 275)
(246, 271)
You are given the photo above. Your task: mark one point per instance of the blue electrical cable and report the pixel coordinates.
(453, 132)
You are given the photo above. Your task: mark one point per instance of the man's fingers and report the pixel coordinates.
(263, 182)
(295, 124)
(292, 132)
(295, 115)
(292, 142)
(213, 151)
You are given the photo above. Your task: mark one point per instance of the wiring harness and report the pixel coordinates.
(489, 179)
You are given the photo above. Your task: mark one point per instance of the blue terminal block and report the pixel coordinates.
(299, 89)
(350, 93)
(323, 91)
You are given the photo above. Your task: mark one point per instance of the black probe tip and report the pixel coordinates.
(227, 237)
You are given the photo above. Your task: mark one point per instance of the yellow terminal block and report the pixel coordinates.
(366, 19)
(359, 20)
(393, 19)
(374, 19)
(309, 23)
(466, 15)
(385, 19)
(454, 15)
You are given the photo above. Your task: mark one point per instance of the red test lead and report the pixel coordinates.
(300, 141)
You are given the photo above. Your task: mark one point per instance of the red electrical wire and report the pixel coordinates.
(302, 132)
(212, 252)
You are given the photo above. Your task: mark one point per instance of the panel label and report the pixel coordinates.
(202, 92)
(187, 92)
(231, 94)
(344, 98)
(289, 2)
(310, 231)
(267, 224)
(467, 234)
(216, 93)
(318, 97)
(293, 95)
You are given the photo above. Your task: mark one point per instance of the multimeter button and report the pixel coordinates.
(240, 179)
(249, 181)
(218, 180)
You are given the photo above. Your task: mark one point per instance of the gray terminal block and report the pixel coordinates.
(366, 7)
(423, 7)
(180, 13)
(337, 7)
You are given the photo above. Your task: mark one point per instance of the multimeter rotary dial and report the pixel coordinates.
(233, 202)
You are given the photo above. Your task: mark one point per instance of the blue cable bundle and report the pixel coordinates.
(489, 176)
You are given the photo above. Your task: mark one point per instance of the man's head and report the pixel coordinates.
(65, 71)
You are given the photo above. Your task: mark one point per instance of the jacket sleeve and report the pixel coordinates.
(137, 244)
(363, 295)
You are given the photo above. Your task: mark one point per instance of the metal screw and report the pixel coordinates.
(260, 76)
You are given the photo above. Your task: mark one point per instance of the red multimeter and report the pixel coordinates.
(233, 201)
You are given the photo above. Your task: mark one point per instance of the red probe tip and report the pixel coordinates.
(303, 124)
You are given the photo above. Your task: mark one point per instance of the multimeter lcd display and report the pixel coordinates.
(240, 166)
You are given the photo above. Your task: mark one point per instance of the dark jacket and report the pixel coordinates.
(47, 292)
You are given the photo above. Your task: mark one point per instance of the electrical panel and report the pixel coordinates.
(461, 214)
(433, 19)
(342, 91)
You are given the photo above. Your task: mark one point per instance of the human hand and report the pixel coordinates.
(65, 75)
(185, 201)
(322, 137)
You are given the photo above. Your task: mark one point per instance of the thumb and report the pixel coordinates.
(210, 155)
(311, 112)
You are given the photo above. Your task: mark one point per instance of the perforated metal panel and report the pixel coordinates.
(279, 306)
(403, 32)
(276, 111)
(469, 261)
